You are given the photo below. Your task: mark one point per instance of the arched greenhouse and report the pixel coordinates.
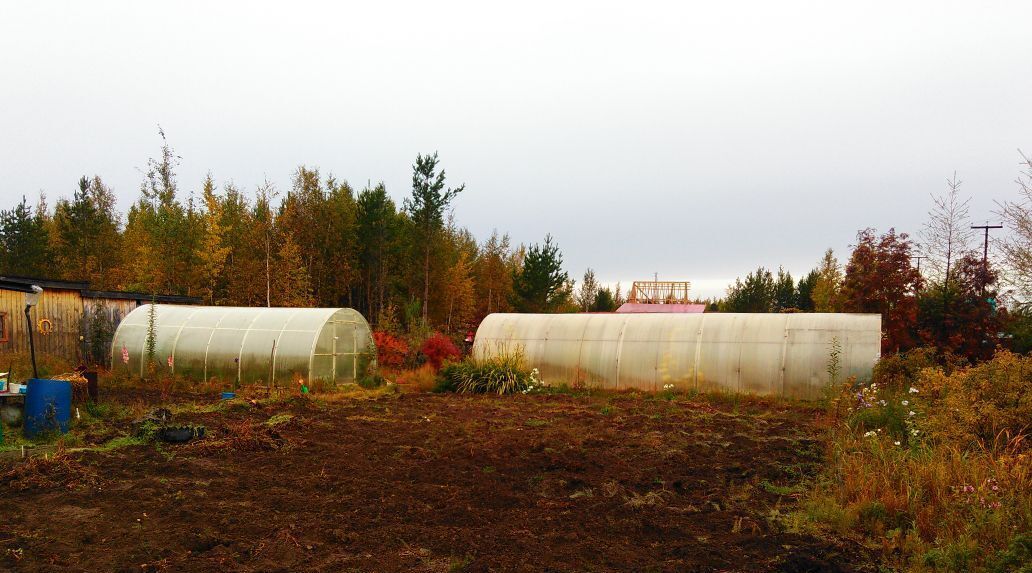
(777, 354)
(245, 345)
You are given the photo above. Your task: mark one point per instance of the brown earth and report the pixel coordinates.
(419, 482)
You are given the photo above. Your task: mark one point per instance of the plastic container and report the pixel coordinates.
(48, 406)
(228, 395)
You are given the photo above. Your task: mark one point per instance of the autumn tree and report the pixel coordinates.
(263, 235)
(827, 288)
(495, 267)
(963, 316)
(213, 251)
(244, 225)
(541, 285)
(291, 284)
(426, 208)
(160, 232)
(588, 291)
(452, 303)
(459, 293)
(320, 216)
(880, 279)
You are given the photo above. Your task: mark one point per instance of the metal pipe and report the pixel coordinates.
(32, 343)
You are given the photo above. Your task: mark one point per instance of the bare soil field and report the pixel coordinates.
(423, 482)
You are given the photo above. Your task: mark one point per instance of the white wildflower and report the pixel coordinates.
(896, 442)
(911, 413)
(913, 390)
(905, 402)
(870, 434)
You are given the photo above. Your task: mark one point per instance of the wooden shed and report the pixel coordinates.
(63, 320)
(56, 320)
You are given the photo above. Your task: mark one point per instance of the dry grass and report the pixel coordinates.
(422, 379)
(59, 470)
(912, 470)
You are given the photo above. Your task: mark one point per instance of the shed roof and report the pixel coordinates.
(141, 297)
(14, 286)
(23, 284)
(46, 283)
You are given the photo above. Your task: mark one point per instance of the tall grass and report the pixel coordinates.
(502, 372)
(934, 466)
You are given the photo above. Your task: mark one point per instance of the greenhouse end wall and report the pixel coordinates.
(246, 345)
(772, 354)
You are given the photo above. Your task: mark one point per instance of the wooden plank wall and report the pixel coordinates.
(64, 310)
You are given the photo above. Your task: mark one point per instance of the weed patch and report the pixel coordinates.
(932, 463)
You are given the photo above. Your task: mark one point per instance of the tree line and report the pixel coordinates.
(319, 243)
(958, 302)
(324, 243)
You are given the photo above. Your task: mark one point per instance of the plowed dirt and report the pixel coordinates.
(422, 482)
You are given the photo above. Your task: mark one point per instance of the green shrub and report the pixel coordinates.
(371, 381)
(1017, 557)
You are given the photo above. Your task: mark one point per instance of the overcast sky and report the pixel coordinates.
(695, 140)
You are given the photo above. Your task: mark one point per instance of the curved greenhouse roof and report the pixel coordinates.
(779, 354)
(245, 344)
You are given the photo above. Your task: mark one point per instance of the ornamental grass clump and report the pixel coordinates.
(504, 372)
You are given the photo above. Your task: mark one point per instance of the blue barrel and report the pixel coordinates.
(48, 406)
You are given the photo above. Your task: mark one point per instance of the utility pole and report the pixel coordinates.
(918, 258)
(985, 249)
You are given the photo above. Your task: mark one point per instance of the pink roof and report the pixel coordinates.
(635, 307)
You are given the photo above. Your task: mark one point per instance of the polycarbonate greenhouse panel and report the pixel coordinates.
(776, 354)
(246, 345)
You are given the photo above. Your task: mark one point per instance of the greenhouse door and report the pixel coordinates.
(345, 351)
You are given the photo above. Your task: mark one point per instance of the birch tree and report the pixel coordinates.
(1017, 247)
(947, 233)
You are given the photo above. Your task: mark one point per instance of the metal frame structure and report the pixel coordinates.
(659, 292)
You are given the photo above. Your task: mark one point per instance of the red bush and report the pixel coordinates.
(439, 348)
(390, 350)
